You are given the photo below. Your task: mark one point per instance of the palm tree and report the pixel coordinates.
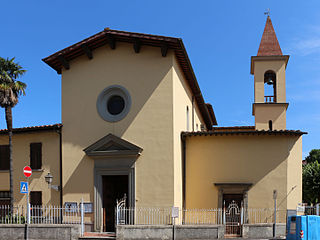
(10, 90)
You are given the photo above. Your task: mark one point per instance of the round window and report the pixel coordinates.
(113, 103)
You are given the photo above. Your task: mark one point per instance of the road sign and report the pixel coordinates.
(175, 212)
(23, 187)
(27, 171)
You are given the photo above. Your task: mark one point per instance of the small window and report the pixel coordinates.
(4, 198)
(4, 157)
(187, 118)
(36, 155)
(35, 198)
(115, 105)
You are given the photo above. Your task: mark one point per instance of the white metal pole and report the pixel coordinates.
(82, 213)
(28, 204)
(28, 211)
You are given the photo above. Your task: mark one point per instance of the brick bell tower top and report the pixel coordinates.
(269, 70)
(269, 45)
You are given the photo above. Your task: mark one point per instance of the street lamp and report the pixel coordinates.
(48, 179)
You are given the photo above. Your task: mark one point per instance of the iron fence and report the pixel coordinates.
(40, 215)
(144, 216)
(201, 216)
(163, 216)
(16, 215)
(264, 215)
(312, 210)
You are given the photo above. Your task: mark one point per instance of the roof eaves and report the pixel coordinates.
(248, 132)
(53, 127)
(212, 115)
(196, 90)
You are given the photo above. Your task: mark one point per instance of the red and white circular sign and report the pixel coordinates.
(27, 171)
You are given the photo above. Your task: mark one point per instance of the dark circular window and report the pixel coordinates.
(115, 105)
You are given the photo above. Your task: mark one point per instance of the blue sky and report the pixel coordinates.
(220, 37)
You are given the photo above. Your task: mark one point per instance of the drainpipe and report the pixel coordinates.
(60, 164)
(183, 143)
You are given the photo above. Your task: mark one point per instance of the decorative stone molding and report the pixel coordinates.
(106, 95)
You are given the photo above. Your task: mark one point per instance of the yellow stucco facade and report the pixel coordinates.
(21, 158)
(266, 162)
(160, 149)
(264, 110)
(150, 124)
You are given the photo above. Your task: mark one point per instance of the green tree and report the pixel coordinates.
(311, 178)
(10, 90)
(314, 155)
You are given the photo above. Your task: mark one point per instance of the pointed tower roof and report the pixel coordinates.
(269, 45)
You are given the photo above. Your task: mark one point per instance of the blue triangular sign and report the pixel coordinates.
(23, 187)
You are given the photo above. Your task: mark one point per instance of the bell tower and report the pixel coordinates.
(269, 70)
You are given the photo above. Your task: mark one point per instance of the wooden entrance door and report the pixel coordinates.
(232, 208)
(114, 187)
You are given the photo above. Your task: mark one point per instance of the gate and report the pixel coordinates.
(121, 211)
(233, 220)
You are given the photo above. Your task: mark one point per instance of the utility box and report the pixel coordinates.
(303, 227)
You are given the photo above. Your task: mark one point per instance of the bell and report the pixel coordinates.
(270, 81)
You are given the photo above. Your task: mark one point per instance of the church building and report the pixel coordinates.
(135, 123)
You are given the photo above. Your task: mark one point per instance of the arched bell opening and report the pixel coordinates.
(270, 86)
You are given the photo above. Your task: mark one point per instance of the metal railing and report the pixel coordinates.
(17, 215)
(264, 215)
(162, 216)
(144, 216)
(312, 210)
(201, 216)
(269, 99)
(40, 215)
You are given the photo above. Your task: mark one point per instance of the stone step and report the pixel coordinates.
(98, 235)
(96, 238)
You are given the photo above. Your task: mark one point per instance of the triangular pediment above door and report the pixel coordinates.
(112, 146)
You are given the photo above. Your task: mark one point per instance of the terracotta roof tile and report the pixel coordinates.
(238, 131)
(234, 128)
(269, 45)
(33, 128)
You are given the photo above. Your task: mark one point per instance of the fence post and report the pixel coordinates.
(116, 215)
(318, 209)
(241, 215)
(82, 213)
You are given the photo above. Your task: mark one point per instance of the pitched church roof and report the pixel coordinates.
(269, 45)
(61, 59)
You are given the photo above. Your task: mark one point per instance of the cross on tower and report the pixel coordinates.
(267, 12)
